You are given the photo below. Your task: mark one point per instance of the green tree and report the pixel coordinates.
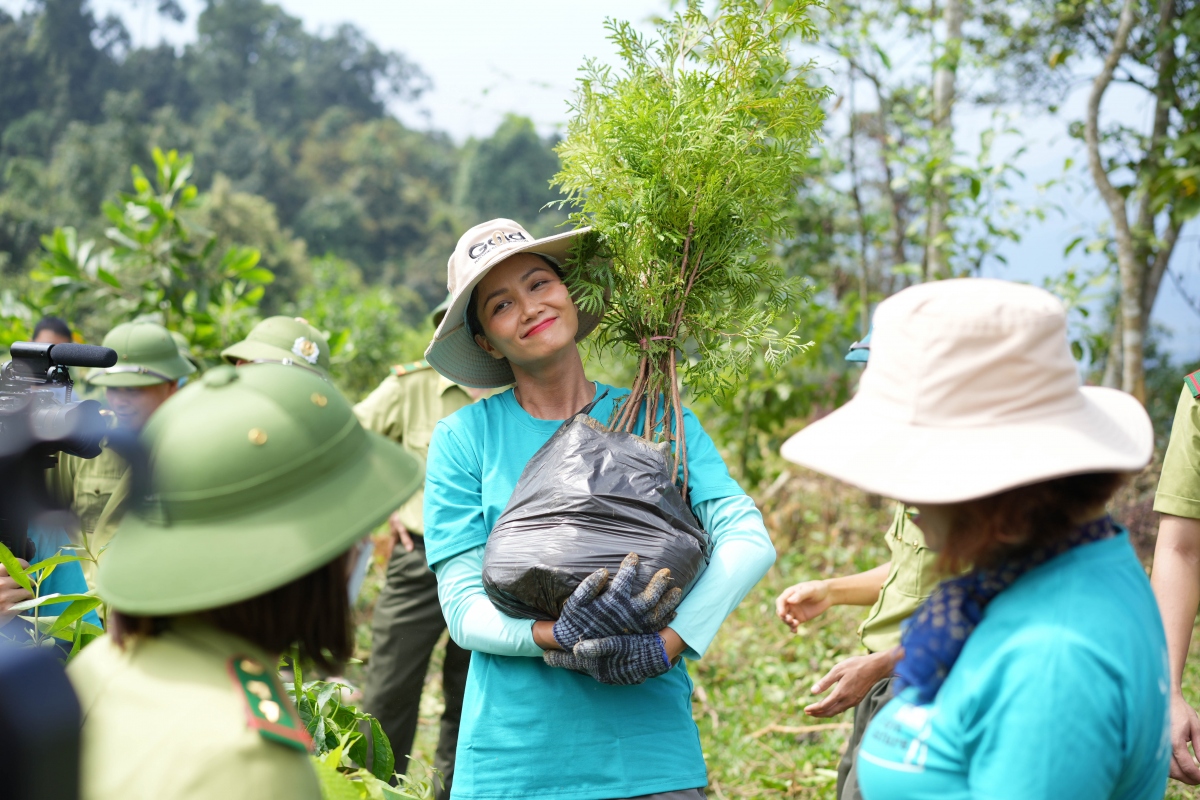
(685, 161)
(508, 175)
(153, 264)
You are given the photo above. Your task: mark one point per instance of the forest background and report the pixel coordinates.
(263, 168)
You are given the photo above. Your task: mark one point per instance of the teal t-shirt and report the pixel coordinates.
(1061, 692)
(529, 730)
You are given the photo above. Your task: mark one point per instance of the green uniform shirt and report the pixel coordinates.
(169, 717)
(405, 408)
(97, 490)
(1179, 486)
(910, 580)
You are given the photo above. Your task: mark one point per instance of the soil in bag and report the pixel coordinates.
(588, 498)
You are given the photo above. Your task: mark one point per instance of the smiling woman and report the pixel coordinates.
(630, 733)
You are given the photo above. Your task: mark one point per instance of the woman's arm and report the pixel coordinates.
(741, 554)
(810, 599)
(474, 623)
(1176, 582)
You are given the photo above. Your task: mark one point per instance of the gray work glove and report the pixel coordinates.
(593, 613)
(615, 660)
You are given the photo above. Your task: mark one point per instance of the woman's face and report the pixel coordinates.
(527, 313)
(936, 522)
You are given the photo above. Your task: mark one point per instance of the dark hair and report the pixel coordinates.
(312, 612)
(1035, 515)
(474, 326)
(54, 325)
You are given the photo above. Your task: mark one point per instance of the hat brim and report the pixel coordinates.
(153, 568)
(173, 368)
(454, 352)
(1108, 432)
(249, 350)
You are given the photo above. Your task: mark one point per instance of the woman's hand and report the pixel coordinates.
(802, 602)
(616, 660)
(854, 678)
(11, 593)
(1185, 729)
(593, 613)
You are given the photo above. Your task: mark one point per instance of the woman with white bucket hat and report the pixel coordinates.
(530, 728)
(1041, 672)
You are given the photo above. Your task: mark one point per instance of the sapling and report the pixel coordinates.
(684, 159)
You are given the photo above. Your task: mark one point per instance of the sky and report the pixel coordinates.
(487, 59)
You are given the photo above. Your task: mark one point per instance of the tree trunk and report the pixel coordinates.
(864, 284)
(1132, 272)
(1113, 364)
(945, 71)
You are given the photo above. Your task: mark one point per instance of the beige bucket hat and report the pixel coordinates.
(453, 351)
(971, 390)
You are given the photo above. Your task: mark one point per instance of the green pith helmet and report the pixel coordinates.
(286, 339)
(146, 355)
(439, 313)
(261, 474)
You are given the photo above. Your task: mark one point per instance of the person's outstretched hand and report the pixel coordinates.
(802, 602)
(616, 660)
(11, 593)
(1185, 730)
(854, 678)
(593, 613)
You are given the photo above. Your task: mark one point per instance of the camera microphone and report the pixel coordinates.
(83, 355)
(34, 359)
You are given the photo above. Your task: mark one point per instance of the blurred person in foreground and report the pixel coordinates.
(894, 591)
(1041, 672)
(596, 704)
(263, 480)
(407, 621)
(148, 370)
(1176, 573)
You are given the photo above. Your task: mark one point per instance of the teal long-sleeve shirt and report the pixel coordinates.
(529, 730)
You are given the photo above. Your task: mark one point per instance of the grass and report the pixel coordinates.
(754, 682)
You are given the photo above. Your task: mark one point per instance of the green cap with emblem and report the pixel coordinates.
(288, 340)
(260, 475)
(146, 355)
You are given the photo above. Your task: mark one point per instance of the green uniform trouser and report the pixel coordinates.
(406, 627)
(876, 698)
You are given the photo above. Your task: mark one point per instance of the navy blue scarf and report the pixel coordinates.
(934, 637)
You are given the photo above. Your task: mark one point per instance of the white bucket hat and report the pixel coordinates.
(453, 351)
(971, 390)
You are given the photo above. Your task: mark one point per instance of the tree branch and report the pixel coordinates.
(1131, 275)
(1162, 259)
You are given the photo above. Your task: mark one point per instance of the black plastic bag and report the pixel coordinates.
(588, 498)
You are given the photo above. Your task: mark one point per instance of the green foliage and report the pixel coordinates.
(68, 626)
(370, 327)
(684, 161)
(353, 757)
(155, 265)
(508, 175)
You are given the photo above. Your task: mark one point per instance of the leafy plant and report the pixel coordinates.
(685, 161)
(353, 757)
(68, 627)
(154, 264)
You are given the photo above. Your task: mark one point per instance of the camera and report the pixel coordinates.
(39, 418)
(36, 386)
